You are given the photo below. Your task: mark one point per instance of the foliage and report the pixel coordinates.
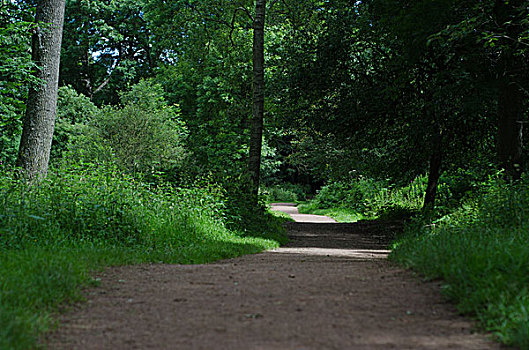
(106, 47)
(338, 214)
(369, 198)
(145, 135)
(87, 216)
(16, 76)
(74, 112)
(377, 87)
(285, 192)
(481, 253)
(73, 107)
(282, 215)
(215, 105)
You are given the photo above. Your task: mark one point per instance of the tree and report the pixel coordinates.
(391, 99)
(39, 120)
(256, 132)
(207, 55)
(16, 66)
(107, 46)
(511, 18)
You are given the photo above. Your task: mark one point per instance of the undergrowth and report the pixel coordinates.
(84, 217)
(481, 251)
(364, 198)
(284, 192)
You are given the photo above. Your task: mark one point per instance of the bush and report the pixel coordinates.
(144, 136)
(482, 253)
(100, 204)
(74, 112)
(284, 193)
(85, 216)
(370, 198)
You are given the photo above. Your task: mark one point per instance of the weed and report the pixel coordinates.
(84, 217)
(482, 253)
(364, 198)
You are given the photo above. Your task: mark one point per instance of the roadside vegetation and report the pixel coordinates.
(99, 208)
(85, 217)
(481, 251)
(366, 199)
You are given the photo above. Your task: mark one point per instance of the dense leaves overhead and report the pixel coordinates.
(377, 87)
(107, 45)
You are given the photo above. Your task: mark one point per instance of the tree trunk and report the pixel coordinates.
(509, 139)
(39, 120)
(510, 95)
(436, 160)
(256, 133)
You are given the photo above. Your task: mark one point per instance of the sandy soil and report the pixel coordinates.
(331, 287)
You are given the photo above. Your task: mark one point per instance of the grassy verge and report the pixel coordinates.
(82, 219)
(281, 216)
(366, 199)
(338, 214)
(482, 253)
(480, 248)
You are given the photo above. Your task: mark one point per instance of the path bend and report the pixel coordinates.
(331, 287)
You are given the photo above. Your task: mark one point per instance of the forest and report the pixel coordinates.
(160, 131)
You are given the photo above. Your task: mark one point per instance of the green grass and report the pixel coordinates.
(285, 192)
(338, 214)
(283, 217)
(366, 199)
(480, 248)
(481, 252)
(83, 218)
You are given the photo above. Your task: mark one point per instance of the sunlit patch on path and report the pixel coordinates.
(292, 210)
(345, 253)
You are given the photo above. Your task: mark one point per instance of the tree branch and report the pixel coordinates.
(107, 80)
(232, 26)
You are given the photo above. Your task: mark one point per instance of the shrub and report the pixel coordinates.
(370, 198)
(285, 192)
(100, 204)
(85, 216)
(144, 136)
(74, 112)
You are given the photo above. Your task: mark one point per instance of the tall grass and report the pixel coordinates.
(481, 251)
(86, 216)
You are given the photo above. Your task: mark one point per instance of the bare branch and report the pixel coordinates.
(511, 39)
(107, 80)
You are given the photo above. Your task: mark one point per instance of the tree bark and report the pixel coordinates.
(510, 95)
(436, 160)
(39, 120)
(256, 133)
(509, 138)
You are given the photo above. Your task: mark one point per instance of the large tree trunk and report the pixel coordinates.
(256, 133)
(39, 120)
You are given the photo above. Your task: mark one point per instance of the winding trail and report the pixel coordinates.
(331, 287)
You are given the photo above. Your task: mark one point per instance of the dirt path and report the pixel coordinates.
(330, 288)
